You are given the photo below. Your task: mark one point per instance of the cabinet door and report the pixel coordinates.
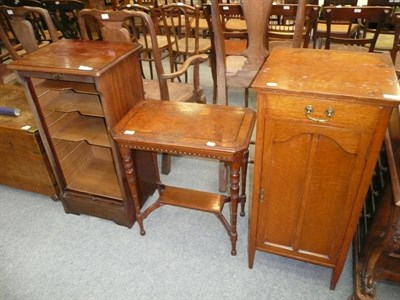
(310, 176)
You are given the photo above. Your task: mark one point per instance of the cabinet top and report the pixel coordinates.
(343, 74)
(75, 57)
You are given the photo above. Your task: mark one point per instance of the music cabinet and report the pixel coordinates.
(78, 90)
(321, 121)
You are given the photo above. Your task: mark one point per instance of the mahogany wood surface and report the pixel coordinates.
(83, 156)
(318, 138)
(217, 132)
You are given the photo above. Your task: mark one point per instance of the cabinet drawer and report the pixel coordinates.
(343, 114)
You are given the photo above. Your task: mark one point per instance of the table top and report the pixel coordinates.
(75, 57)
(319, 72)
(186, 128)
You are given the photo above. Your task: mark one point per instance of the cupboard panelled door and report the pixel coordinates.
(304, 165)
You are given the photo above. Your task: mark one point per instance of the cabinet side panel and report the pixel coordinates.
(285, 165)
(120, 89)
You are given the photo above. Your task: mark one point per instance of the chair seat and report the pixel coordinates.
(236, 25)
(178, 91)
(203, 25)
(384, 42)
(204, 45)
(342, 47)
(174, 21)
(337, 29)
(161, 40)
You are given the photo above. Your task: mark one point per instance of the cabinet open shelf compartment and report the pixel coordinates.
(75, 127)
(88, 168)
(79, 87)
(70, 101)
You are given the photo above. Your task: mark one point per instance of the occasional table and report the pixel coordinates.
(210, 131)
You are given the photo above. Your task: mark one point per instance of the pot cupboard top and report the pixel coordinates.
(329, 73)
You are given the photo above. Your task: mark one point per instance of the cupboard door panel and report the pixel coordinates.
(286, 160)
(309, 178)
(328, 197)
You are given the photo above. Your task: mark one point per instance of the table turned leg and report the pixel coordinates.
(243, 175)
(234, 192)
(131, 178)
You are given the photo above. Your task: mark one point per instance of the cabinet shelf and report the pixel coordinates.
(79, 87)
(70, 101)
(192, 199)
(75, 127)
(95, 173)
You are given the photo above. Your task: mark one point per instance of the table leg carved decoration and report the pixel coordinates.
(385, 235)
(130, 176)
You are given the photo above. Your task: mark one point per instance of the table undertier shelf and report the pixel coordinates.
(198, 200)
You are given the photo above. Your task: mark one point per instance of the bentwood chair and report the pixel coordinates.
(338, 28)
(64, 14)
(362, 16)
(19, 33)
(232, 20)
(281, 25)
(145, 40)
(116, 26)
(181, 24)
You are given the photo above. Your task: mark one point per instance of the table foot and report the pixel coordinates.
(233, 253)
(142, 232)
(242, 214)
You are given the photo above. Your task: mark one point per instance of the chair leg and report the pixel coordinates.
(165, 163)
(246, 97)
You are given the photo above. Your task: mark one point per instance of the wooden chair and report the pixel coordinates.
(351, 14)
(234, 28)
(281, 25)
(114, 27)
(181, 26)
(232, 20)
(163, 43)
(64, 14)
(22, 38)
(339, 28)
(148, 3)
(36, 20)
(396, 42)
(239, 70)
(234, 68)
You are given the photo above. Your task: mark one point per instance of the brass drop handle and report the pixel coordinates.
(57, 76)
(309, 109)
